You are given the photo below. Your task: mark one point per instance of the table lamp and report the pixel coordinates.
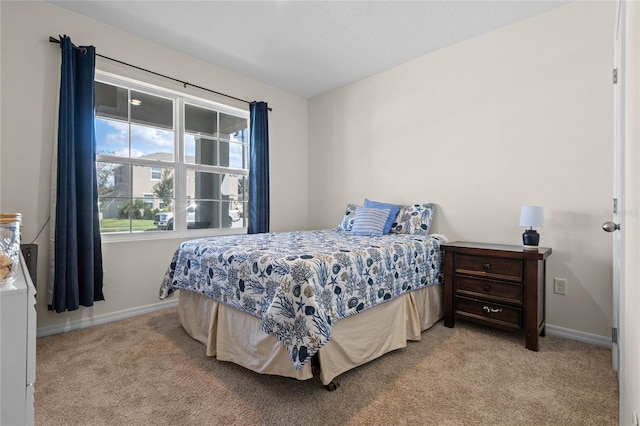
(531, 216)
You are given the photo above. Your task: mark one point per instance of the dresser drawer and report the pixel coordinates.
(489, 312)
(499, 291)
(505, 269)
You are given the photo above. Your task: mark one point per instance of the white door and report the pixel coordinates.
(616, 225)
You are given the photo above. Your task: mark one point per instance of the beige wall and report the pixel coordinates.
(29, 80)
(522, 115)
(454, 127)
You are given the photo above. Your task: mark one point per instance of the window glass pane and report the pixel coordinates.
(236, 159)
(242, 188)
(113, 179)
(241, 135)
(205, 151)
(142, 215)
(151, 143)
(152, 111)
(163, 216)
(235, 211)
(118, 214)
(121, 175)
(189, 149)
(203, 214)
(204, 185)
(214, 214)
(232, 126)
(229, 187)
(114, 214)
(215, 202)
(112, 137)
(161, 189)
(224, 154)
(111, 102)
(200, 121)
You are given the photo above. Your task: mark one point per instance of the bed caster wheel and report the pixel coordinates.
(331, 386)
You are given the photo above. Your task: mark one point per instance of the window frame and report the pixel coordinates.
(180, 167)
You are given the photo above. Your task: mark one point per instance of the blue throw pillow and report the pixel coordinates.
(393, 212)
(369, 222)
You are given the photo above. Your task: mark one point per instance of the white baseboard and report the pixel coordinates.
(580, 336)
(550, 329)
(104, 319)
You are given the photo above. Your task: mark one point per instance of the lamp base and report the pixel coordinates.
(530, 238)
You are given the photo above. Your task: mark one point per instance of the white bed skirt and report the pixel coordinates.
(235, 336)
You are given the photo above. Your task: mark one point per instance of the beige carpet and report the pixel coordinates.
(147, 371)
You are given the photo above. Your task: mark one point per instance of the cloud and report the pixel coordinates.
(112, 137)
(150, 139)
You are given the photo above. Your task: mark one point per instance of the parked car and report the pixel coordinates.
(164, 220)
(235, 215)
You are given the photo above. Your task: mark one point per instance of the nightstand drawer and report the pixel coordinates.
(493, 313)
(499, 291)
(505, 269)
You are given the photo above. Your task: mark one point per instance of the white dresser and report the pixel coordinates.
(17, 349)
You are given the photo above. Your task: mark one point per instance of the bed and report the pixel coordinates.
(274, 302)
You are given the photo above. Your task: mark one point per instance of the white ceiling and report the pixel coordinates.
(308, 47)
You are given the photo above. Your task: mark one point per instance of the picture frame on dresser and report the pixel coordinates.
(496, 285)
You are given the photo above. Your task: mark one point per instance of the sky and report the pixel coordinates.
(112, 138)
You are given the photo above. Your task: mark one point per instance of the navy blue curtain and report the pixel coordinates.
(259, 168)
(77, 248)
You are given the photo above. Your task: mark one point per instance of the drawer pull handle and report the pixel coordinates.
(486, 287)
(488, 310)
(486, 266)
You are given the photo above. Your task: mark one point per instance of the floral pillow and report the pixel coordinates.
(414, 219)
(349, 216)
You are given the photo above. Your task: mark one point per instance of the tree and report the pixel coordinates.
(164, 189)
(133, 210)
(105, 173)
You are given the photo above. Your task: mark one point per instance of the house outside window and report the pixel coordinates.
(168, 162)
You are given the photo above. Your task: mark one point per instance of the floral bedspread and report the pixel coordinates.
(300, 283)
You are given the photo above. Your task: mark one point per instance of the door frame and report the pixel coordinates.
(618, 179)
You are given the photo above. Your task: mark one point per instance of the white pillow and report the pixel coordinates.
(369, 221)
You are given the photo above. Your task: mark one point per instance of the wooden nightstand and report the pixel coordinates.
(497, 285)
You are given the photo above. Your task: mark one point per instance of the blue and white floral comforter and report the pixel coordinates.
(300, 283)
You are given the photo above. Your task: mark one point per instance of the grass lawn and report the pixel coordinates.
(122, 225)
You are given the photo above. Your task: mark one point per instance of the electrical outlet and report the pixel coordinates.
(560, 286)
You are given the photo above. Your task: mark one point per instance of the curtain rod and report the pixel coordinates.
(185, 83)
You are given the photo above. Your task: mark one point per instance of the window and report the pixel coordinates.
(156, 173)
(167, 162)
(148, 200)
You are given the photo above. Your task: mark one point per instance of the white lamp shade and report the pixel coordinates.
(531, 216)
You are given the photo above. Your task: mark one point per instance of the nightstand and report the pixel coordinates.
(500, 286)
